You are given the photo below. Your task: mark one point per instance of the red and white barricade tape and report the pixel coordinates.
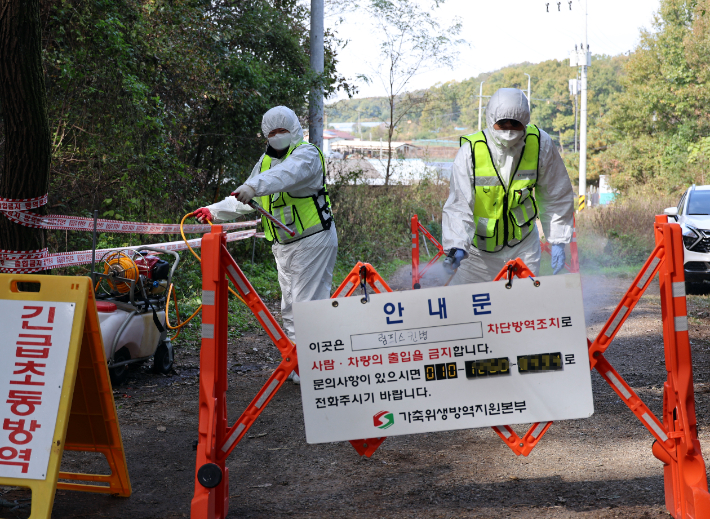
(26, 262)
(16, 210)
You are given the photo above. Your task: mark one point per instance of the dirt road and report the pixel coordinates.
(596, 468)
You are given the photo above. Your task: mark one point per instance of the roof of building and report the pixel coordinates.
(376, 145)
(330, 134)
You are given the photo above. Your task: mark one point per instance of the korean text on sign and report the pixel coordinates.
(35, 348)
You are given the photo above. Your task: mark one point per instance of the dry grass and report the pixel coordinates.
(374, 221)
(620, 233)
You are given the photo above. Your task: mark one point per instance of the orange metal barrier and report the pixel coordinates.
(418, 274)
(676, 438)
(363, 274)
(216, 438)
(573, 265)
(676, 444)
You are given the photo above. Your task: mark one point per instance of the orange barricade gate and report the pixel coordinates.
(216, 438)
(418, 274)
(573, 265)
(676, 438)
(676, 444)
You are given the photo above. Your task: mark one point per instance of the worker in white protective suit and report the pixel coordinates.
(503, 179)
(289, 182)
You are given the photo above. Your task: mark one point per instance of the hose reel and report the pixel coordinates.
(119, 269)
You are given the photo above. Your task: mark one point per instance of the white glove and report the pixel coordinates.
(244, 193)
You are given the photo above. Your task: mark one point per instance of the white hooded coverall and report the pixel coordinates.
(306, 265)
(553, 194)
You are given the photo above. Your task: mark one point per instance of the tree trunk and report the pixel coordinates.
(390, 131)
(219, 184)
(25, 168)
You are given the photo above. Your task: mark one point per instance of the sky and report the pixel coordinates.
(504, 32)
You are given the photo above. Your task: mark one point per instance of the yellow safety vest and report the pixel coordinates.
(306, 215)
(503, 216)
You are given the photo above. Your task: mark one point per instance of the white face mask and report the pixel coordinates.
(507, 138)
(280, 141)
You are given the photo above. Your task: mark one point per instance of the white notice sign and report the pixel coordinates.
(443, 358)
(34, 346)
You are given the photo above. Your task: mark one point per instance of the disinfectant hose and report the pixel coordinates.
(180, 324)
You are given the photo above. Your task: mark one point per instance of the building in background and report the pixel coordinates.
(606, 194)
(375, 149)
(331, 137)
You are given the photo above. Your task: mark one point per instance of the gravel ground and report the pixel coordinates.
(601, 467)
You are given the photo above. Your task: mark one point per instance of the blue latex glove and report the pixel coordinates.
(558, 257)
(453, 260)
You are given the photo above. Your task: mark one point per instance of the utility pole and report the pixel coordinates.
(480, 104)
(529, 105)
(576, 114)
(582, 58)
(359, 128)
(583, 115)
(315, 107)
(574, 88)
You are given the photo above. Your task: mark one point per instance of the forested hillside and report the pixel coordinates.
(648, 111)
(453, 105)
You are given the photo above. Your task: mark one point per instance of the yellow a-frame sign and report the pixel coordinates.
(55, 392)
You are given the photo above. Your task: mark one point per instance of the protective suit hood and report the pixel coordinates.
(507, 103)
(282, 117)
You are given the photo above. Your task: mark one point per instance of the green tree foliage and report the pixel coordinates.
(454, 105)
(149, 99)
(661, 116)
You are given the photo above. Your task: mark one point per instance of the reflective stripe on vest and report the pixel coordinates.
(306, 215)
(503, 216)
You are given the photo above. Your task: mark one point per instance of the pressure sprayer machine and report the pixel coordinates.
(131, 299)
(133, 292)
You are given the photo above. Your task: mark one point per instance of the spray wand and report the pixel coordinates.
(270, 217)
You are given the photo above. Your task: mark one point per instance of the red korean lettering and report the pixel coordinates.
(32, 353)
(36, 310)
(20, 435)
(28, 399)
(26, 326)
(8, 454)
(27, 381)
(46, 340)
(29, 367)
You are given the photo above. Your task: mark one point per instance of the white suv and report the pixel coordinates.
(693, 215)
